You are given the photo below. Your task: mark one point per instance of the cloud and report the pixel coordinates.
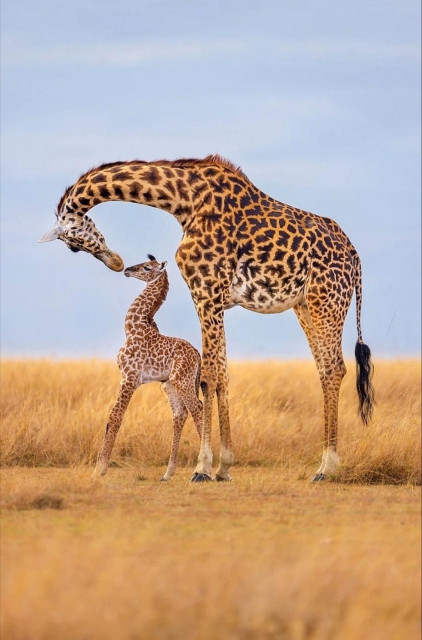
(134, 54)
(362, 49)
(121, 54)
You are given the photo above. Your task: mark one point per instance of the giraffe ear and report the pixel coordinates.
(53, 234)
(163, 265)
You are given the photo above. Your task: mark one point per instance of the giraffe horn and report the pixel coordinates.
(150, 257)
(53, 234)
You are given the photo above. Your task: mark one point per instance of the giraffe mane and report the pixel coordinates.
(181, 163)
(214, 159)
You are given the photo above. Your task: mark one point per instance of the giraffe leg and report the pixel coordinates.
(226, 450)
(324, 337)
(331, 380)
(305, 320)
(113, 425)
(180, 413)
(184, 387)
(212, 325)
(203, 468)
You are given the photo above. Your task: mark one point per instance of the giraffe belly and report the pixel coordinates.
(154, 374)
(265, 295)
(135, 362)
(270, 306)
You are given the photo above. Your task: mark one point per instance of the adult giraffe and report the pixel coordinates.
(239, 247)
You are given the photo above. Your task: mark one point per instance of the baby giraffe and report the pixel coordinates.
(149, 356)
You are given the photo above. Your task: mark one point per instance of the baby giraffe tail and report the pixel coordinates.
(364, 366)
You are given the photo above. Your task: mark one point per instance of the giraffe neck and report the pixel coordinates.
(178, 190)
(143, 309)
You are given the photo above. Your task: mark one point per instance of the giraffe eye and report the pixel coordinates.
(147, 268)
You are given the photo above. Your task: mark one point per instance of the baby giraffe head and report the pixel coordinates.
(146, 271)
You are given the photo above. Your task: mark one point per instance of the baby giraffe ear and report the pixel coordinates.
(163, 265)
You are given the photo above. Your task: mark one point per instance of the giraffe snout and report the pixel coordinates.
(112, 260)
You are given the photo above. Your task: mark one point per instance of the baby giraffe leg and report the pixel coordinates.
(180, 413)
(113, 425)
(186, 392)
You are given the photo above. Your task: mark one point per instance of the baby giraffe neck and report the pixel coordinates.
(143, 309)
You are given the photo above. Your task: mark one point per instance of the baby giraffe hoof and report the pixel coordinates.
(200, 477)
(98, 472)
(225, 478)
(319, 477)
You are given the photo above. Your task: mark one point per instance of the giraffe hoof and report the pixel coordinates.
(98, 472)
(319, 477)
(226, 478)
(163, 479)
(201, 477)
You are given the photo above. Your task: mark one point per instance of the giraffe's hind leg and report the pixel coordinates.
(183, 379)
(180, 413)
(324, 337)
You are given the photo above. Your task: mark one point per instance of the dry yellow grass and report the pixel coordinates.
(264, 557)
(54, 414)
(269, 556)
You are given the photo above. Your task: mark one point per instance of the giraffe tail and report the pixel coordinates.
(364, 366)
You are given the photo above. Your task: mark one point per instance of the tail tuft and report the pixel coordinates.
(364, 369)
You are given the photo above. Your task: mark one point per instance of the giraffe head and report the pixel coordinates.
(146, 271)
(83, 235)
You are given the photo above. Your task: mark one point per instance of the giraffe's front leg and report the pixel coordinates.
(211, 318)
(113, 425)
(203, 469)
(226, 451)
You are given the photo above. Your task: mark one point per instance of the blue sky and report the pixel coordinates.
(318, 102)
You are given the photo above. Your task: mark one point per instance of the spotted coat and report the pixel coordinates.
(239, 247)
(148, 356)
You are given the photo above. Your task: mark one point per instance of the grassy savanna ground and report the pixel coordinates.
(268, 556)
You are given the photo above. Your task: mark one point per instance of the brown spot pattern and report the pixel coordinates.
(240, 247)
(148, 356)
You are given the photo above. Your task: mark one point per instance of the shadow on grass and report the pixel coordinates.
(43, 500)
